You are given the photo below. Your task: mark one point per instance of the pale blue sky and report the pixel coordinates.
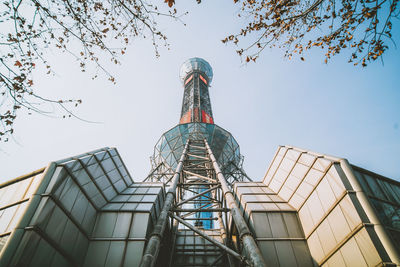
(335, 109)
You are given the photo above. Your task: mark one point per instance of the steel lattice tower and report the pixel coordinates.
(199, 161)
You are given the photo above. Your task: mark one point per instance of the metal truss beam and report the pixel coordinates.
(202, 210)
(196, 196)
(245, 235)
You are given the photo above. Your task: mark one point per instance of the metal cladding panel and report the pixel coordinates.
(193, 250)
(332, 209)
(86, 212)
(14, 199)
(275, 225)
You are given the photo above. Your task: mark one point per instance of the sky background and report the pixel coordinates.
(334, 108)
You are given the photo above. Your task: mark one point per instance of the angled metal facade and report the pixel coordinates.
(350, 216)
(82, 211)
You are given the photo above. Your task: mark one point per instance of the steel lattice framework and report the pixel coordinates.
(198, 186)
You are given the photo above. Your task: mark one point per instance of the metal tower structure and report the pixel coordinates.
(199, 161)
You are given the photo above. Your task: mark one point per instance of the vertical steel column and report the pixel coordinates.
(224, 237)
(173, 243)
(153, 246)
(249, 244)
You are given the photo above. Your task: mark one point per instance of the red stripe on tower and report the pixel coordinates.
(185, 118)
(206, 118)
(189, 79)
(204, 80)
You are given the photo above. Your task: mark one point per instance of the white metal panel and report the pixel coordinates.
(336, 260)
(339, 225)
(285, 253)
(122, 224)
(325, 194)
(115, 254)
(326, 237)
(352, 255)
(139, 225)
(105, 224)
(315, 247)
(367, 248)
(134, 253)
(97, 253)
(350, 213)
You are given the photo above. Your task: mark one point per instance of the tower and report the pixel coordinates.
(197, 207)
(199, 161)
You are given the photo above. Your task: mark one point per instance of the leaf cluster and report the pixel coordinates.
(362, 26)
(85, 29)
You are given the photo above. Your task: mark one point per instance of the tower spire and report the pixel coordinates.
(196, 75)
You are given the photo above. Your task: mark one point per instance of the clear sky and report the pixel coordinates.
(334, 109)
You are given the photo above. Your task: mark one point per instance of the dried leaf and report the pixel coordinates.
(170, 2)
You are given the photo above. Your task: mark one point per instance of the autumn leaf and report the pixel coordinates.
(30, 82)
(170, 2)
(105, 30)
(18, 64)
